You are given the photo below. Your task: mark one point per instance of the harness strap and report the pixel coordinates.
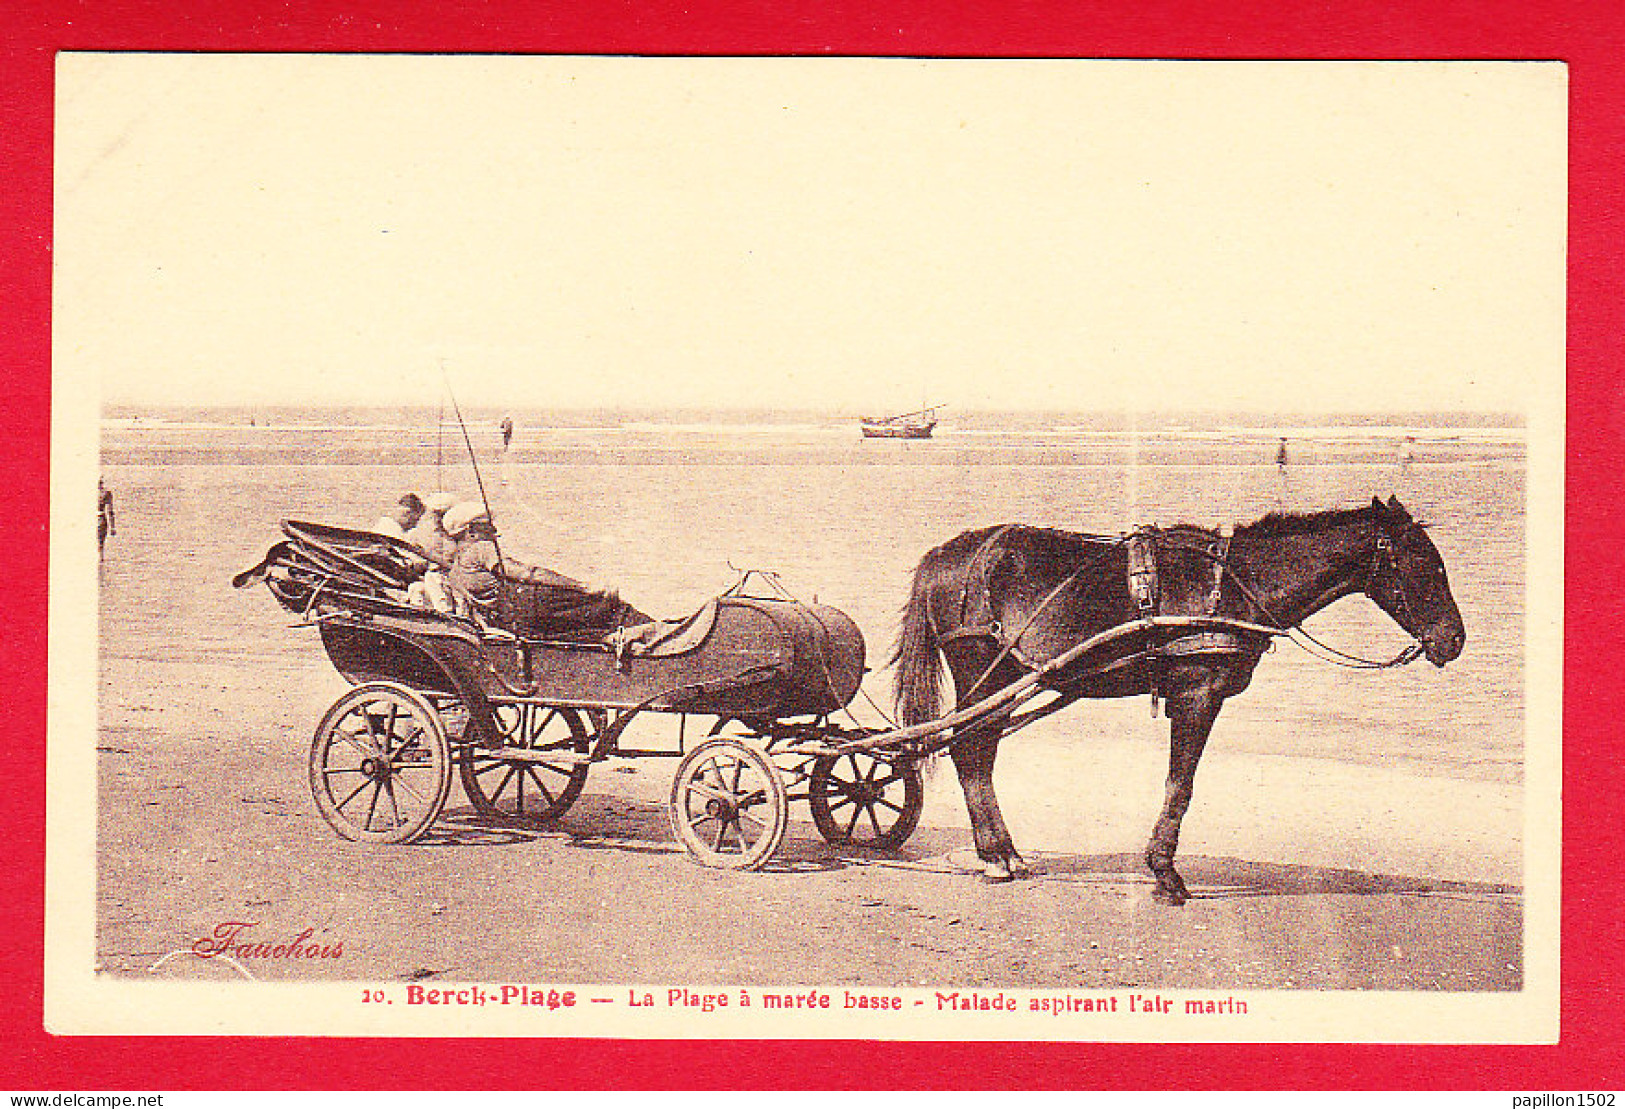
(1219, 553)
(992, 631)
(1142, 571)
(1009, 642)
(970, 572)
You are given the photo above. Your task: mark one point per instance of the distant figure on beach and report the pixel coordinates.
(1407, 452)
(525, 599)
(402, 518)
(106, 523)
(1280, 454)
(507, 431)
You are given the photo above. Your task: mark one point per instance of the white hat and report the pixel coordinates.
(459, 517)
(440, 502)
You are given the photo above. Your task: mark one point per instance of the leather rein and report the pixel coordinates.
(1383, 551)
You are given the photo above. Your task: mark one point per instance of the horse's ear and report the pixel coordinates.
(1396, 508)
(1376, 503)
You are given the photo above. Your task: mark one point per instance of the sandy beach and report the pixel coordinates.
(1317, 860)
(205, 817)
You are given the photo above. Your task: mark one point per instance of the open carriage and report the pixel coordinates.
(520, 721)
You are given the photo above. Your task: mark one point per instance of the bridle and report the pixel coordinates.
(1383, 551)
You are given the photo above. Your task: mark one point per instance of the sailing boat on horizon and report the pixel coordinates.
(906, 425)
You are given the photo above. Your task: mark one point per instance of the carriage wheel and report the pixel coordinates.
(864, 801)
(380, 766)
(728, 805)
(517, 790)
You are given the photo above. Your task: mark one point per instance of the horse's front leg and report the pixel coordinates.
(973, 758)
(1191, 717)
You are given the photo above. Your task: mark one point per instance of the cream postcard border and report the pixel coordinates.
(78, 1001)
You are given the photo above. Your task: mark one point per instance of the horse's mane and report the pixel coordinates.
(1304, 523)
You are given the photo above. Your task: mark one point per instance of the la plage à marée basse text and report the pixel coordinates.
(952, 1001)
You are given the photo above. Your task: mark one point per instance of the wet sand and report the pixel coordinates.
(205, 817)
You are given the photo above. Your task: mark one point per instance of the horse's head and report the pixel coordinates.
(1407, 581)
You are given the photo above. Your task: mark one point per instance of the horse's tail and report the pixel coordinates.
(917, 688)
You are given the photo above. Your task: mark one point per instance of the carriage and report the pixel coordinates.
(520, 721)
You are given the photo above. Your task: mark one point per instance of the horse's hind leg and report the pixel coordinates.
(974, 760)
(978, 673)
(1191, 717)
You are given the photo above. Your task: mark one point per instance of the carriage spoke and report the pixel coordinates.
(893, 807)
(355, 741)
(716, 842)
(389, 788)
(552, 715)
(353, 792)
(372, 808)
(846, 799)
(875, 820)
(405, 745)
(547, 796)
(496, 794)
(409, 788)
(708, 774)
(714, 794)
(389, 728)
(852, 824)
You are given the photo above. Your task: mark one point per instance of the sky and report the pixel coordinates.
(849, 234)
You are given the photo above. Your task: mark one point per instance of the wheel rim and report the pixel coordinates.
(728, 805)
(380, 766)
(865, 801)
(523, 791)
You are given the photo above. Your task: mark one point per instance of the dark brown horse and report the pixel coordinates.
(998, 603)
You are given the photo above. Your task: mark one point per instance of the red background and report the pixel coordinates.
(1588, 34)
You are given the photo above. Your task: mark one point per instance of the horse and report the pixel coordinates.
(997, 603)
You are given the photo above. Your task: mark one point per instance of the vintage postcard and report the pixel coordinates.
(573, 534)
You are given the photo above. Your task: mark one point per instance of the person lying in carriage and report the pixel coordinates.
(527, 600)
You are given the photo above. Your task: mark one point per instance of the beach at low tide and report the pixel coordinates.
(1375, 812)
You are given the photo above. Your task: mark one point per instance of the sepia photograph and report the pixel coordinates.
(882, 548)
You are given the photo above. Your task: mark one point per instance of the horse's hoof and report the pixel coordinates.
(1170, 888)
(997, 872)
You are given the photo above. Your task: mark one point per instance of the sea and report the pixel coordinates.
(673, 507)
